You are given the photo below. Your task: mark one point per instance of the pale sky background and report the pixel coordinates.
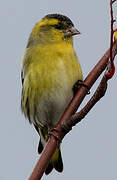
(90, 150)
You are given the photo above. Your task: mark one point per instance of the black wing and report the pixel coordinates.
(40, 146)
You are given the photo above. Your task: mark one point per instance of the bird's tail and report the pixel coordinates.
(56, 161)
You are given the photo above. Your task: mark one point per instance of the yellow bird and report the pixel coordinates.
(49, 71)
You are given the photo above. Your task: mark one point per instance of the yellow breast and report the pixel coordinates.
(50, 73)
(51, 66)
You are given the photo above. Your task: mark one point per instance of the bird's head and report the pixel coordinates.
(53, 28)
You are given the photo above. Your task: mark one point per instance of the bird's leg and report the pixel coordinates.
(78, 84)
(55, 132)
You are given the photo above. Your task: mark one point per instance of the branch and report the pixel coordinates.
(111, 68)
(101, 90)
(59, 132)
(99, 93)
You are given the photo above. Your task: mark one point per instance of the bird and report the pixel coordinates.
(50, 69)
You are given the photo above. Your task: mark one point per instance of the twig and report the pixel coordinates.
(111, 68)
(99, 93)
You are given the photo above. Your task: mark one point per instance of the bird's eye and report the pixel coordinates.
(58, 26)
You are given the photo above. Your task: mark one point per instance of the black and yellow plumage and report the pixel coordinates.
(49, 71)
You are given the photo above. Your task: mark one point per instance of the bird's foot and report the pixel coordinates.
(78, 84)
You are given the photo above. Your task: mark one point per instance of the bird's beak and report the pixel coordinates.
(71, 32)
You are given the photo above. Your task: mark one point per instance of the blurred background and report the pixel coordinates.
(90, 149)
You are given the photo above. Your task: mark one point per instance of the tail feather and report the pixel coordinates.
(58, 165)
(49, 168)
(40, 147)
(56, 162)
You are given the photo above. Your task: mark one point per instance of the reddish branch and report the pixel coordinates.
(111, 68)
(99, 93)
(68, 120)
